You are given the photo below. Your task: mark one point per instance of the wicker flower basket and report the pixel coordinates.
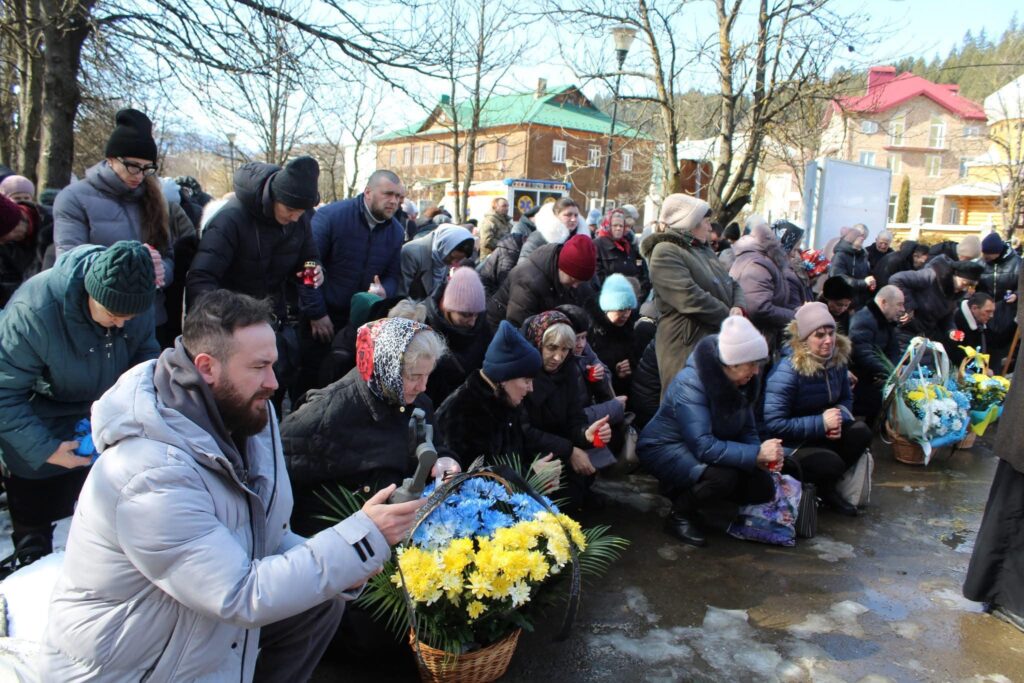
(968, 440)
(480, 666)
(905, 451)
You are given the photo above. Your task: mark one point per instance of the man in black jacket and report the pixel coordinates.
(873, 333)
(259, 243)
(972, 319)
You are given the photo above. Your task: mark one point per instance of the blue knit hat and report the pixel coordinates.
(509, 355)
(992, 244)
(617, 294)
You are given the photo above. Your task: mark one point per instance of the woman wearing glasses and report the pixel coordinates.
(121, 199)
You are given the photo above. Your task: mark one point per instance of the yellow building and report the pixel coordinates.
(993, 191)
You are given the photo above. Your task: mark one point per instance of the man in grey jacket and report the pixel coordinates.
(180, 562)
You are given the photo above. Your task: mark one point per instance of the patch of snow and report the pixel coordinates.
(18, 660)
(830, 550)
(658, 646)
(637, 603)
(27, 592)
(841, 618)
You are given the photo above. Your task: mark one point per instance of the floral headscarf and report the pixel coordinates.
(380, 346)
(539, 324)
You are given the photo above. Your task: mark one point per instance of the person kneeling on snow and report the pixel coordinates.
(702, 445)
(180, 563)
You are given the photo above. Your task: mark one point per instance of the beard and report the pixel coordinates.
(243, 416)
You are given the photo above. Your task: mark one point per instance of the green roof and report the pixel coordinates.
(524, 108)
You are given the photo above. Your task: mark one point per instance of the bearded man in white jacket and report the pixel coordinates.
(180, 562)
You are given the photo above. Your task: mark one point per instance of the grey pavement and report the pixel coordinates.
(871, 599)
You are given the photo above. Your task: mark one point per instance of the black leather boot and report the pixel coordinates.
(836, 502)
(685, 528)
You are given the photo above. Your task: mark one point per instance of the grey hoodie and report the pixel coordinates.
(175, 559)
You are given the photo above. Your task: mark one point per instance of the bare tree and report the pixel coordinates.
(472, 55)
(1005, 165)
(663, 64)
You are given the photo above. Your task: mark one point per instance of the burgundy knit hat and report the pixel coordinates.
(10, 215)
(464, 292)
(578, 258)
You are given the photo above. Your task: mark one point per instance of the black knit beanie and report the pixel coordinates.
(295, 185)
(122, 279)
(133, 136)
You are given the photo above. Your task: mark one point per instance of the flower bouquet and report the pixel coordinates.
(925, 407)
(986, 392)
(480, 565)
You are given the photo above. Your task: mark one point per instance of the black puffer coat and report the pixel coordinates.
(466, 349)
(533, 287)
(852, 265)
(929, 293)
(245, 250)
(621, 257)
(613, 344)
(555, 409)
(895, 262)
(1000, 277)
(645, 388)
(474, 422)
(344, 435)
(495, 268)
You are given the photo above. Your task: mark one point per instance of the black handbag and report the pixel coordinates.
(807, 513)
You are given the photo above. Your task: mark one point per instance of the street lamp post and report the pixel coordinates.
(623, 35)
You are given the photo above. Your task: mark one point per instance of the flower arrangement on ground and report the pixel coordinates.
(484, 561)
(987, 392)
(942, 408)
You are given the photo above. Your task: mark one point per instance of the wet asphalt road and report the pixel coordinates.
(871, 599)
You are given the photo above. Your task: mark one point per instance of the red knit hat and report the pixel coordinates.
(10, 215)
(578, 258)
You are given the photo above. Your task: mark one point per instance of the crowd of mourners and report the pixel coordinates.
(248, 353)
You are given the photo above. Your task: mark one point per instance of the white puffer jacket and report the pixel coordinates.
(173, 564)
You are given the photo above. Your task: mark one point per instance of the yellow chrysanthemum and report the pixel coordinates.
(475, 608)
(479, 585)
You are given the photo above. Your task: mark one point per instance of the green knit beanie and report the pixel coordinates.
(122, 279)
(359, 310)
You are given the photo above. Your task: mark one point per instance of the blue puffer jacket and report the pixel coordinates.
(353, 254)
(800, 388)
(703, 420)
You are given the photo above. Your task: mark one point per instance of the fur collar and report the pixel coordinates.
(722, 394)
(806, 364)
(683, 240)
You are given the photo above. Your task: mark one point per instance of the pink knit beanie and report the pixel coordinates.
(464, 292)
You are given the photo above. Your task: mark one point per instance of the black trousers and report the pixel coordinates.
(35, 504)
(290, 649)
(720, 482)
(824, 461)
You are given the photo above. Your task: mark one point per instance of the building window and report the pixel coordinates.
(558, 151)
(868, 127)
(867, 158)
(932, 165)
(502, 150)
(896, 128)
(407, 156)
(594, 156)
(927, 209)
(393, 158)
(481, 153)
(627, 160)
(972, 131)
(954, 214)
(963, 166)
(895, 163)
(425, 154)
(415, 156)
(447, 154)
(893, 199)
(438, 153)
(937, 133)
